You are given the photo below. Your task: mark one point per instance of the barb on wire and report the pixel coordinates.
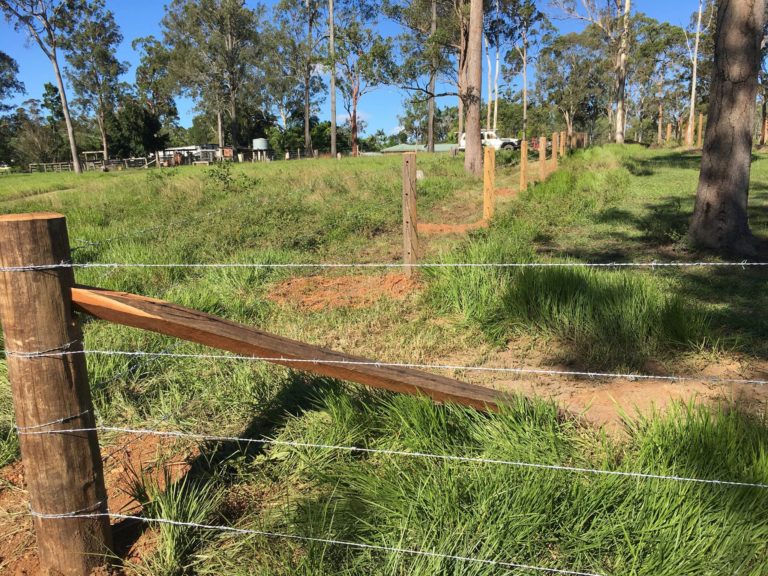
(399, 453)
(329, 541)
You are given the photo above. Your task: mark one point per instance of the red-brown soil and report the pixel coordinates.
(317, 293)
(129, 456)
(427, 229)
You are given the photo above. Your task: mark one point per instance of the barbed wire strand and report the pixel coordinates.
(415, 366)
(317, 540)
(399, 453)
(387, 265)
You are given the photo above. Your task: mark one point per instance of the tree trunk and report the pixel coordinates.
(67, 118)
(353, 117)
(695, 65)
(660, 96)
(720, 220)
(496, 91)
(764, 122)
(525, 86)
(220, 130)
(103, 132)
(488, 64)
(621, 75)
(432, 85)
(332, 52)
(473, 159)
(307, 84)
(233, 126)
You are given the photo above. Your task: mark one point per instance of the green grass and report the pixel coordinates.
(553, 519)
(605, 204)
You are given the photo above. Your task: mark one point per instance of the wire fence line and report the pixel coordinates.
(376, 364)
(317, 540)
(385, 265)
(37, 431)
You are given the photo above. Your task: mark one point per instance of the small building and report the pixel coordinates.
(187, 155)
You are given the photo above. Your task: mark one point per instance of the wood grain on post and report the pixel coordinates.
(562, 143)
(63, 471)
(523, 165)
(669, 132)
(542, 158)
(555, 149)
(700, 143)
(410, 219)
(193, 326)
(489, 183)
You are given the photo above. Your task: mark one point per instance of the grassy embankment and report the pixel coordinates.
(604, 205)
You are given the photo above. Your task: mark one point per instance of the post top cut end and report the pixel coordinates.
(30, 216)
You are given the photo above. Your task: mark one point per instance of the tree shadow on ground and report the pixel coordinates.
(297, 395)
(732, 296)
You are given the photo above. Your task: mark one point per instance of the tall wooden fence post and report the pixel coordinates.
(523, 165)
(701, 131)
(562, 143)
(410, 220)
(489, 183)
(542, 158)
(50, 393)
(669, 133)
(555, 149)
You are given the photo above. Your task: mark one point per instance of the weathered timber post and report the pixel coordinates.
(410, 220)
(669, 133)
(489, 183)
(523, 165)
(562, 143)
(542, 158)
(700, 143)
(50, 393)
(555, 148)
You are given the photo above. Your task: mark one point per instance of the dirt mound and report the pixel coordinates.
(323, 293)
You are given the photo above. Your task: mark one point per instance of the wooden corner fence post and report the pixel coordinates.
(489, 183)
(669, 133)
(523, 165)
(410, 219)
(542, 158)
(555, 149)
(562, 144)
(50, 392)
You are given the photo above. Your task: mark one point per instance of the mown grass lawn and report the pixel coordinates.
(605, 204)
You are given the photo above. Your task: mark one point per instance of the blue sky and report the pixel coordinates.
(142, 17)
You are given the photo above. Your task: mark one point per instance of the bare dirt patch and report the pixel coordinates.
(428, 229)
(317, 293)
(128, 456)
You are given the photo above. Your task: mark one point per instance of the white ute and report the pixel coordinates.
(490, 139)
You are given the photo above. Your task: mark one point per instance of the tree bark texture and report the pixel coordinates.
(432, 85)
(67, 117)
(621, 75)
(473, 158)
(695, 69)
(720, 219)
(332, 53)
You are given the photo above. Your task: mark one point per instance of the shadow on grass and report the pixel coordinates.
(295, 397)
